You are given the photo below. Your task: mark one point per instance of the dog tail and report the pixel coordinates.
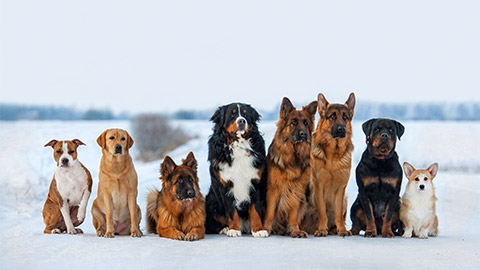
(152, 216)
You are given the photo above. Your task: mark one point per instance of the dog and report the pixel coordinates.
(115, 210)
(178, 210)
(331, 161)
(236, 152)
(379, 179)
(288, 166)
(69, 191)
(418, 203)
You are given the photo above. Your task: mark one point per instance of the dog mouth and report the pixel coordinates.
(190, 199)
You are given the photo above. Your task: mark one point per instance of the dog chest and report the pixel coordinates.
(241, 172)
(71, 183)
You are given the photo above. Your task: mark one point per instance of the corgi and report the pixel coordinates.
(417, 211)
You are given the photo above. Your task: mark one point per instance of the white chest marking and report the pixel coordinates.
(72, 182)
(241, 172)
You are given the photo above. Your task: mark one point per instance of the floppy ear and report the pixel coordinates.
(129, 140)
(51, 143)
(218, 116)
(286, 107)
(351, 102)
(433, 169)
(408, 169)
(400, 129)
(322, 104)
(101, 139)
(77, 142)
(190, 161)
(311, 108)
(167, 167)
(367, 126)
(255, 115)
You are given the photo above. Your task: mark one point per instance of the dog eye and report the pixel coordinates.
(59, 151)
(71, 152)
(111, 138)
(294, 122)
(345, 117)
(123, 139)
(305, 123)
(416, 179)
(425, 178)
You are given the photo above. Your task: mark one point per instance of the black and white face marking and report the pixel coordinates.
(241, 122)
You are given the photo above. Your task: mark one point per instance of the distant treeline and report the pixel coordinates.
(9, 112)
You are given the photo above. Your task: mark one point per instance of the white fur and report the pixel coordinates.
(223, 231)
(261, 234)
(241, 172)
(234, 233)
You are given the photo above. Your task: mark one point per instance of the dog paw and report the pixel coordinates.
(223, 231)
(234, 233)
(72, 231)
(321, 233)
(100, 233)
(260, 234)
(178, 235)
(388, 234)
(79, 231)
(423, 236)
(136, 233)
(109, 235)
(56, 231)
(298, 234)
(344, 233)
(191, 236)
(407, 235)
(432, 234)
(370, 234)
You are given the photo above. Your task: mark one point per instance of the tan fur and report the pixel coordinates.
(115, 209)
(331, 161)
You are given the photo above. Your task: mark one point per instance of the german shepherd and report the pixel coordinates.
(178, 210)
(288, 166)
(331, 161)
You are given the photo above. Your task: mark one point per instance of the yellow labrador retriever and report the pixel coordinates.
(115, 210)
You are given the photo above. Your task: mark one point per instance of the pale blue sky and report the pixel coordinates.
(166, 55)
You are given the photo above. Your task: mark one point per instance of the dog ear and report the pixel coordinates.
(101, 139)
(51, 143)
(351, 102)
(219, 116)
(408, 169)
(190, 161)
(322, 104)
(311, 108)
(167, 167)
(400, 129)
(77, 142)
(367, 126)
(433, 169)
(255, 115)
(286, 107)
(129, 140)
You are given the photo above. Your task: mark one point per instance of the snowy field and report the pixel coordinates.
(26, 169)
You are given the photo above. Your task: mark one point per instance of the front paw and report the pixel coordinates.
(72, 231)
(321, 233)
(109, 234)
(371, 233)
(177, 235)
(423, 236)
(407, 235)
(344, 233)
(388, 234)
(191, 236)
(80, 217)
(234, 233)
(298, 234)
(136, 233)
(260, 234)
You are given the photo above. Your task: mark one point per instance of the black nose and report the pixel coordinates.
(191, 193)
(341, 129)
(64, 161)
(385, 135)
(241, 121)
(118, 149)
(422, 186)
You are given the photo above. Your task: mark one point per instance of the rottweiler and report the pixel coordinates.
(379, 178)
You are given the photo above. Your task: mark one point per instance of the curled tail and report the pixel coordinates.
(152, 216)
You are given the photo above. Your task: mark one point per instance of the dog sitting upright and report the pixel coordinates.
(178, 210)
(69, 191)
(418, 203)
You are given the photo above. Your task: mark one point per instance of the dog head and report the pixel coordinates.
(298, 124)
(421, 180)
(336, 118)
(382, 136)
(235, 119)
(117, 142)
(64, 152)
(182, 180)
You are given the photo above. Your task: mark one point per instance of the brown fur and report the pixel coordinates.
(171, 217)
(331, 161)
(288, 165)
(115, 210)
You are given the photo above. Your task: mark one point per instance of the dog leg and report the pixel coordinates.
(110, 233)
(83, 206)
(65, 210)
(98, 220)
(433, 230)
(322, 211)
(293, 227)
(170, 232)
(273, 197)
(371, 230)
(340, 213)
(195, 233)
(234, 225)
(134, 215)
(256, 223)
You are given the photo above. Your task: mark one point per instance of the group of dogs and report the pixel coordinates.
(297, 189)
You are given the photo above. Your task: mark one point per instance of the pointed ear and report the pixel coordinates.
(219, 116)
(322, 104)
(286, 107)
(129, 140)
(400, 129)
(351, 102)
(367, 126)
(167, 167)
(311, 108)
(433, 169)
(77, 142)
(101, 139)
(51, 143)
(190, 161)
(408, 169)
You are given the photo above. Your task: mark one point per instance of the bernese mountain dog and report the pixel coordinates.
(236, 152)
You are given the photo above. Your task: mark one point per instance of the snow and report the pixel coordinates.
(26, 169)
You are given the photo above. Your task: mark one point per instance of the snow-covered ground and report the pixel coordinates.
(26, 168)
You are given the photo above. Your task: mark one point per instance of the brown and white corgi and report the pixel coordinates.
(418, 203)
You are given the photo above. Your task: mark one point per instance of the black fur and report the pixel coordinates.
(219, 203)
